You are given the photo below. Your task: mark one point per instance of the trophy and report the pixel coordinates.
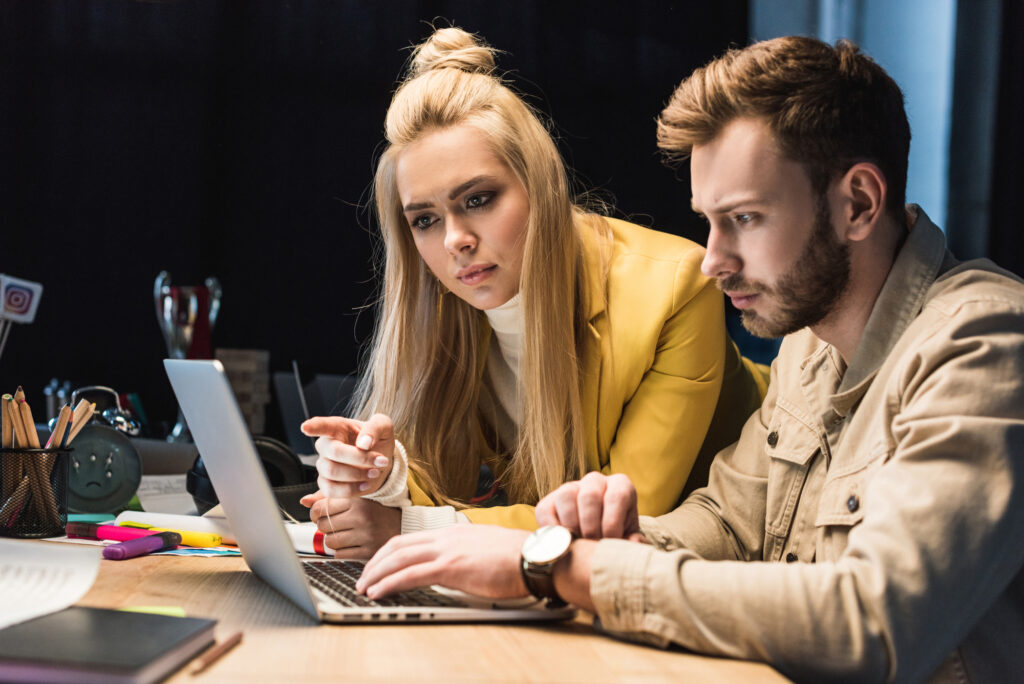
(186, 315)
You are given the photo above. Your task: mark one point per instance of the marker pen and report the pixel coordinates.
(82, 530)
(306, 538)
(187, 538)
(141, 546)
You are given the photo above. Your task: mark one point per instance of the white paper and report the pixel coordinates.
(37, 578)
(166, 494)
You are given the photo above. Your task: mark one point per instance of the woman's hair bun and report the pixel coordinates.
(452, 48)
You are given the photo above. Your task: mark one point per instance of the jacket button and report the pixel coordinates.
(791, 557)
(773, 438)
(853, 503)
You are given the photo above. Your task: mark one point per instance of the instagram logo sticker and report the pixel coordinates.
(17, 300)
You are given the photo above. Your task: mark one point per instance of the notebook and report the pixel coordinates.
(322, 588)
(86, 645)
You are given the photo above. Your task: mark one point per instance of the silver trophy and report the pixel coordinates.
(186, 315)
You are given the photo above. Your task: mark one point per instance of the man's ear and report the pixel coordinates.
(862, 193)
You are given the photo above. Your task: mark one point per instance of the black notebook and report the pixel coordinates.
(85, 645)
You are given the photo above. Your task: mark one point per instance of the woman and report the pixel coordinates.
(516, 330)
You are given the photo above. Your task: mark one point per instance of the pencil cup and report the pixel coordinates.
(33, 492)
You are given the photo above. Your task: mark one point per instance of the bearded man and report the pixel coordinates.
(868, 523)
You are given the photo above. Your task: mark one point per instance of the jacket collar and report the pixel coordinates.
(596, 254)
(901, 299)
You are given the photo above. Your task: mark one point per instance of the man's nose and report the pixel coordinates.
(720, 260)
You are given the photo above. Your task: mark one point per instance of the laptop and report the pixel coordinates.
(324, 588)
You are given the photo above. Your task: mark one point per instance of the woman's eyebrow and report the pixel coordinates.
(462, 187)
(458, 190)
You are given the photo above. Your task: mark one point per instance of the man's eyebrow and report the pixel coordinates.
(730, 204)
(458, 190)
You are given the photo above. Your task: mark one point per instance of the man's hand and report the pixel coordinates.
(478, 559)
(595, 507)
(355, 455)
(353, 528)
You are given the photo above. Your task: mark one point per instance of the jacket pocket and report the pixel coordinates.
(791, 448)
(841, 502)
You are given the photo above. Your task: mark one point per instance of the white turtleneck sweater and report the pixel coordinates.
(506, 350)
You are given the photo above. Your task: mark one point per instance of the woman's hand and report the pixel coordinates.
(353, 528)
(355, 455)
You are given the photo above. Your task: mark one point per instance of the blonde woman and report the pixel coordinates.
(516, 330)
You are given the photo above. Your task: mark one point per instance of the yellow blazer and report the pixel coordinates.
(653, 372)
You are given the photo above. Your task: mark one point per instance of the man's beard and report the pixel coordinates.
(808, 294)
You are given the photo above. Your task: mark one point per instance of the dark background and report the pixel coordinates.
(238, 139)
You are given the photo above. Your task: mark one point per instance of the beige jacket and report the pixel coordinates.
(892, 492)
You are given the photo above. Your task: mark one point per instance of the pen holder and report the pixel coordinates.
(33, 492)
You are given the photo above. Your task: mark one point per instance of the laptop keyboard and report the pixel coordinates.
(337, 579)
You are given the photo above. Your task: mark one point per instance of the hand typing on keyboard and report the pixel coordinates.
(478, 559)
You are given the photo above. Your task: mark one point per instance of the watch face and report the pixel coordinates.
(547, 544)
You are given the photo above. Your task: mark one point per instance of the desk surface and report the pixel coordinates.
(282, 643)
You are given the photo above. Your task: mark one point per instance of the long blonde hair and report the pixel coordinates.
(424, 364)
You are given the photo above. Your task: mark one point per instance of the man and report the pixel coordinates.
(868, 523)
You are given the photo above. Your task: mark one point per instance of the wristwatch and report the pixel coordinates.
(540, 552)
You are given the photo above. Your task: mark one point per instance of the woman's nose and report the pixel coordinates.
(458, 237)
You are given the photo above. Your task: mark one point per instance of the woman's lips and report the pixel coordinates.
(477, 275)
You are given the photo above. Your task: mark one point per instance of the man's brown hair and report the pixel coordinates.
(829, 108)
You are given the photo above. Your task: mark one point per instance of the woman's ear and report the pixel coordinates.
(862, 195)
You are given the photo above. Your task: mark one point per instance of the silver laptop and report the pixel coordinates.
(323, 588)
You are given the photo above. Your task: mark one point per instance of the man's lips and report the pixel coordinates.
(471, 275)
(742, 300)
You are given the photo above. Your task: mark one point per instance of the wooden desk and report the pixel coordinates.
(282, 644)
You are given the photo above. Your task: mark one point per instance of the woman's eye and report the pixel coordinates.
(422, 222)
(479, 200)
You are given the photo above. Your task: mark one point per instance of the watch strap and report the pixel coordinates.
(540, 581)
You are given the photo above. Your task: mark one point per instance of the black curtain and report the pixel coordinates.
(1006, 243)
(237, 139)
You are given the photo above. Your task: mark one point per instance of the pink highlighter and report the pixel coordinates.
(109, 532)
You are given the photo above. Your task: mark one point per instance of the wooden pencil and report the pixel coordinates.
(83, 412)
(17, 426)
(57, 435)
(38, 471)
(41, 466)
(21, 441)
(14, 503)
(29, 424)
(9, 473)
(5, 440)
